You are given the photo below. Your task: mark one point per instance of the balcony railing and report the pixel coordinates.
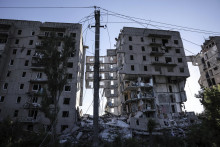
(133, 85)
(163, 63)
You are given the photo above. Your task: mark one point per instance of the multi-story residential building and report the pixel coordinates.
(22, 78)
(151, 75)
(208, 62)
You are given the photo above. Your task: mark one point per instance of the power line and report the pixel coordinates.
(8, 7)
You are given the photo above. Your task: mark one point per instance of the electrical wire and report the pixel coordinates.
(40, 7)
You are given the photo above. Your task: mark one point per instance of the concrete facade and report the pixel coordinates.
(208, 62)
(22, 79)
(151, 74)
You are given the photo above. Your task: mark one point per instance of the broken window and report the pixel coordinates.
(144, 58)
(155, 49)
(172, 99)
(35, 99)
(209, 82)
(14, 51)
(137, 122)
(67, 88)
(30, 127)
(18, 99)
(19, 32)
(176, 42)
(157, 68)
(130, 47)
(168, 59)
(102, 83)
(73, 35)
(39, 75)
(36, 87)
(145, 68)
(112, 91)
(112, 82)
(2, 98)
(112, 110)
(32, 113)
(26, 62)
(208, 64)
(23, 74)
(130, 38)
(69, 76)
(132, 67)
(31, 42)
(131, 57)
(156, 58)
(182, 70)
(173, 109)
(33, 33)
(111, 74)
(111, 66)
(60, 34)
(210, 73)
(91, 59)
(5, 86)
(164, 42)
(213, 81)
(15, 113)
(177, 50)
(21, 86)
(143, 48)
(180, 60)
(66, 101)
(142, 39)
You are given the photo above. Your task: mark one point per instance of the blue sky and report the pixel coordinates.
(201, 14)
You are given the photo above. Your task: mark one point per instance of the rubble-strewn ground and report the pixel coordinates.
(112, 126)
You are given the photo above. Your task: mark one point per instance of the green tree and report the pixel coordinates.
(54, 60)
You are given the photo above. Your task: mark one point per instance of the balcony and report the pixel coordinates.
(157, 53)
(29, 119)
(163, 63)
(29, 105)
(130, 85)
(141, 96)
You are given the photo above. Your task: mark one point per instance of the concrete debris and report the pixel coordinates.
(112, 126)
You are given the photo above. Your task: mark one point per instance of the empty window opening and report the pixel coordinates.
(73, 35)
(31, 42)
(70, 64)
(64, 127)
(143, 48)
(67, 88)
(66, 101)
(60, 34)
(132, 67)
(208, 64)
(182, 70)
(18, 99)
(19, 32)
(39, 75)
(177, 50)
(102, 83)
(28, 52)
(21, 86)
(14, 51)
(130, 47)
(172, 99)
(176, 42)
(16, 113)
(90, 75)
(180, 60)
(142, 39)
(112, 110)
(137, 122)
(210, 73)
(111, 66)
(131, 57)
(213, 81)
(26, 63)
(5, 86)
(102, 76)
(168, 59)
(91, 59)
(145, 68)
(32, 113)
(8, 73)
(173, 109)
(91, 68)
(170, 88)
(157, 68)
(69, 76)
(156, 58)
(11, 62)
(65, 114)
(111, 74)
(164, 42)
(2, 98)
(130, 38)
(112, 82)
(17, 41)
(23, 74)
(33, 33)
(144, 58)
(102, 67)
(36, 87)
(35, 99)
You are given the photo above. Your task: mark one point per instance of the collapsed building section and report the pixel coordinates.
(150, 74)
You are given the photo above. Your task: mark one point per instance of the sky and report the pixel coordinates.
(199, 14)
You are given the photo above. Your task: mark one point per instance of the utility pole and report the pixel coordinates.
(96, 80)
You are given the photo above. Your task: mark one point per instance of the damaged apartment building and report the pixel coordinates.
(144, 77)
(22, 78)
(208, 61)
